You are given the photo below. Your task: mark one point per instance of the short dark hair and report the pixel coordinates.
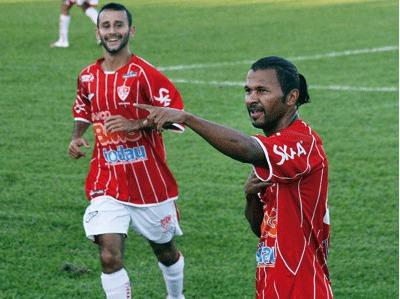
(288, 76)
(116, 7)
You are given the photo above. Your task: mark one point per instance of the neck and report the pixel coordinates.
(113, 62)
(284, 122)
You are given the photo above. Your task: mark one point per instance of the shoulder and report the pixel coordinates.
(298, 131)
(146, 67)
(88, 73)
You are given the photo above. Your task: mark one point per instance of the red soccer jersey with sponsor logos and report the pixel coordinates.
(292, 251)
(130, 167)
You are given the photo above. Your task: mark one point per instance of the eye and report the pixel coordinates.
(262, 90)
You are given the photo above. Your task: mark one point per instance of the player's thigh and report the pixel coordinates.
(105, 215)
(158, 224)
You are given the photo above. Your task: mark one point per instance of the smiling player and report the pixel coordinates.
(129, 183)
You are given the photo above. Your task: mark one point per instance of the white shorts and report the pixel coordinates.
(106, 215)
(81, 2)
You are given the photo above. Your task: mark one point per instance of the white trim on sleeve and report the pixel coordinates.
(177, 128)
(267, 158)
(82, 120)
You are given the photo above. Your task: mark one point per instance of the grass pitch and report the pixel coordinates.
(347, 50)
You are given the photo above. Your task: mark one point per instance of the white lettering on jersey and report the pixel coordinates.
(288, 153)
(87, 78)
(123, 92)
(79, 108)
(101, 115)
(164, 97)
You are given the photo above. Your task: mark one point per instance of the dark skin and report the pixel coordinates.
(254, 211)
(114, 31)
(269, 109)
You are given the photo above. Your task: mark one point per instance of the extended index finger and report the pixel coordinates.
(144, 106)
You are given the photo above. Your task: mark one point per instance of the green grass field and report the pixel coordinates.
(354, 92)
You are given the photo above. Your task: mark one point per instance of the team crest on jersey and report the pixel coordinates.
(164, 97)
(87, 78)
(123, 92)
(129, 75)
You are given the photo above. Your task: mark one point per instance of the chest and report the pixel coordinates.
(114, 93)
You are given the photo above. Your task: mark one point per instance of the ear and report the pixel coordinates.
(97, 34)
(292, 97)
(132, 31)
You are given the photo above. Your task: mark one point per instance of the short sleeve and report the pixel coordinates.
(81, 108)
(162, 92)
(287, 157)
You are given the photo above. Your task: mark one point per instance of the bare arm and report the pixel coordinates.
(77, 140)
(254, 211)
(228, 141)
(117, 123)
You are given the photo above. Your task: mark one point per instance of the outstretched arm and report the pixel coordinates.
(228, 141)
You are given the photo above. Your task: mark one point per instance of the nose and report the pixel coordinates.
(251, 97)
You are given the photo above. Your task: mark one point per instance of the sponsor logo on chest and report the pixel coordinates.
(288, 153)
(87, 78)
(130, 74)
(106, 138)
(124, 155)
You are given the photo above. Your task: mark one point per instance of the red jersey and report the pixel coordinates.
(292, 251)
(130, 167)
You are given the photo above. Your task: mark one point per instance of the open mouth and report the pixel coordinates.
(255, 112)
(112, 40)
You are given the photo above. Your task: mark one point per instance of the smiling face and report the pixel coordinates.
(114, 31)
(265, 100)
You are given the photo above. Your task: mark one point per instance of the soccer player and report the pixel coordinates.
(129, 183)
(286, 195)
(87, 6)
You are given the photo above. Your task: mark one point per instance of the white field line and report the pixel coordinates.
(295, 58)
(320, 87)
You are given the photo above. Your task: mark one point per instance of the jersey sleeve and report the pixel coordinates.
(161, 92)
(287, 156)
(81, 109)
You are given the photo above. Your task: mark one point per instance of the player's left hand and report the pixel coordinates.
(161, 117)
(254, 185)
(116, 123)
